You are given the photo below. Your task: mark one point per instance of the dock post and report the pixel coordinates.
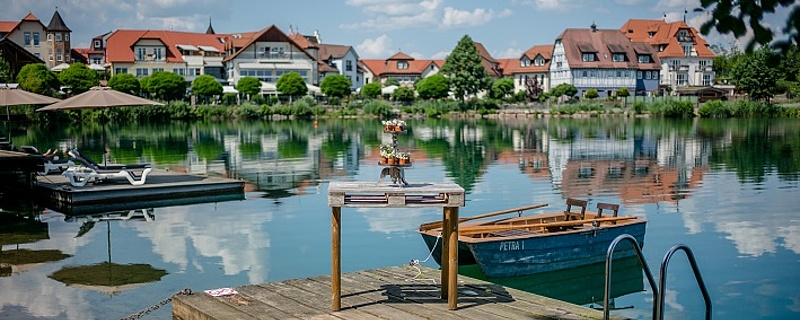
(452, 242)
(336, 255)
(445, 261)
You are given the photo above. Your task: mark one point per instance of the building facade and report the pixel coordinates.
(531, 71)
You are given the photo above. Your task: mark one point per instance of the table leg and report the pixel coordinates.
(445, 260)
(452, 242)
(336, 255)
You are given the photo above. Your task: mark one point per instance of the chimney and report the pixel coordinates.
(594, 27)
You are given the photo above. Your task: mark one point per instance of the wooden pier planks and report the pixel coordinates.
(384, 293)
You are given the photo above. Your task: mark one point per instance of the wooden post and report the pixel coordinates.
(452, 242)
(445, 253)
(336, 256)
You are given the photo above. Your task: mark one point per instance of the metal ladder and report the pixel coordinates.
(658, 291)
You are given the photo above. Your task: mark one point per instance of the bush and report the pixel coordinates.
(378, 107)
(715, 109)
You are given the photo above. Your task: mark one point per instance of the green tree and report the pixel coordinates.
(564, 89)
(464, 70)
(391, 82)
(291, 84)
(592, 94)
(371, 90)
(433, 87)
(5, 70)
(336, 86)
(125, 82)
(730, 16)
(623, 92)
(36, 78)
(502, 88)
(206, 86)
(404, 94)
(79, 78)
(250, 86)
(164, 85)
(754, 75)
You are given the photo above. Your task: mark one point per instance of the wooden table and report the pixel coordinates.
(448, 196)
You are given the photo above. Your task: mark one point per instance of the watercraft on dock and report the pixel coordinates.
(524, 245)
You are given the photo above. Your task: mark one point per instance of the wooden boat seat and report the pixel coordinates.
(607, 206)
(512, 233)
(570, 215)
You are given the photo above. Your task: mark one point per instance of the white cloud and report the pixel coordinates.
(393, 15)
(378, 48)
(679, 4)
(509, 53)
(454, 17)
(552, 5)
(440, 55)
(417, 55)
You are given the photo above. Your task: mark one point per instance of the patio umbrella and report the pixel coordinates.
(18, 229)
(13, 96)
(98, 98)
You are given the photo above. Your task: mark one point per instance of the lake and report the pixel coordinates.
(728, 189)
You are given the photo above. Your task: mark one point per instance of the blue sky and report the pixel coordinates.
(376, 28)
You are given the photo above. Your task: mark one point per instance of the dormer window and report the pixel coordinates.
(97, 44)
(662, 47)
(525, 62)
(618, 57)
(644, 58)
(651, 34)
(588, 57)
(539, 61)
(402, 65)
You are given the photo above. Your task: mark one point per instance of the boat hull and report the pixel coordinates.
(506, 257)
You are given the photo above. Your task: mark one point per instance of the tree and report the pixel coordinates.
(36, 78)
(164, 85)
(433, 87)
(250, 86)
(754, 75)
(335, 85)
(125, 82)
(501, 88)
(78, 78)
(592, 94)
(5, 71)
(292, 84)
(564, 89)
(371, 90)
(404, 94)
(623, 92)
(464, 70)
(206, 86)
(752, 11)
(391, 82)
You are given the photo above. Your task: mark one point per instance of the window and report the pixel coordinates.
(120, 70)
(97, 44)
(539, 61)
(179, 71)
(402, 65)
(655, 75)
(588, 57)
(141, 72)
(682, 79)
(97, 61)
(49, 36)
(585, 74)
(619, 74)
(687, 50)
(525, 62)
(706, 79)
(158, 53)
(37, 55)
(647, 75)
(593, 74)
(662, 47)
(58, 36)
(66, 37)
(35, 39)
(141, 53)
(193, 72)
(639, 75)
(618, 57)
(27, 39)
(643, 58)
(158, 70)
(348, 65)
(50, 57)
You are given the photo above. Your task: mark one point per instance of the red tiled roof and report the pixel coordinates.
(30, 17)
(603, 42)
(272, 33)
(328, 51)
(513, 66)
(302, 41)
(83, 52)
(400, 56)
(119, 45)
(384, 68)
(7, 26)
(665, 33)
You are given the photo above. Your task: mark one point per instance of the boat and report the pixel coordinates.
(524, 245)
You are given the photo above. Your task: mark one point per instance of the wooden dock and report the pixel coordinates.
(161, 188)
(386, 293)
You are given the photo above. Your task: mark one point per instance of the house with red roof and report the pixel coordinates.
(686, 59)
(403, 67)
(531, 71)
(49, 43)
(332, 58)
(604, 60)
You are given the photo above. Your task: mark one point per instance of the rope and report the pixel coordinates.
(184, 292)
(414, 263)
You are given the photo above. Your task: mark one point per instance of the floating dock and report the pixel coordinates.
(399, 292)
(162, 188)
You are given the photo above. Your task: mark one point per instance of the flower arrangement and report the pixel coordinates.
(404, 158)
(394, 125)
(387, 153)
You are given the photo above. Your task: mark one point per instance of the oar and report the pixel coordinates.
(438, 224)
(494, 228)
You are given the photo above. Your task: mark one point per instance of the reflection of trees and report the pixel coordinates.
(292, 146)
(758, 146)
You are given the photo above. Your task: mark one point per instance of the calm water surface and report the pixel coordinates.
(727, 189)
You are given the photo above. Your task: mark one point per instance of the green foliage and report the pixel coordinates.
(404, 94)
(371, 90)
(6, 74)
(623, 92)
(229, 99)
(729, 16)
(464, 70)
(501, 88)
(125, 82)
(391, 82)
(564, 89)
(433, 87)
(250, 86)
(754, 75)
(36, 78)
(164, 85)
(292, 84)
(592, 94)
(577, 108)
(79, 78)
(673, 109)
(715, 109)
(380, 108)
(205, 86)
(745, 108)
(336, 86)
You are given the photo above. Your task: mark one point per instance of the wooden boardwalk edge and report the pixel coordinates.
(385, 293)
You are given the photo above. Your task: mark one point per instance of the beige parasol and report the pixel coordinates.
(13, 96)
(100, 97)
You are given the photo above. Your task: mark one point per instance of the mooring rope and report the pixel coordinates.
(154, 307)
(414, 263)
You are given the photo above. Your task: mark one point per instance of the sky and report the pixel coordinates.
(377, 29)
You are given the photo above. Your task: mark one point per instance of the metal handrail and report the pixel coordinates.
(610, 258)
(663, 282)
